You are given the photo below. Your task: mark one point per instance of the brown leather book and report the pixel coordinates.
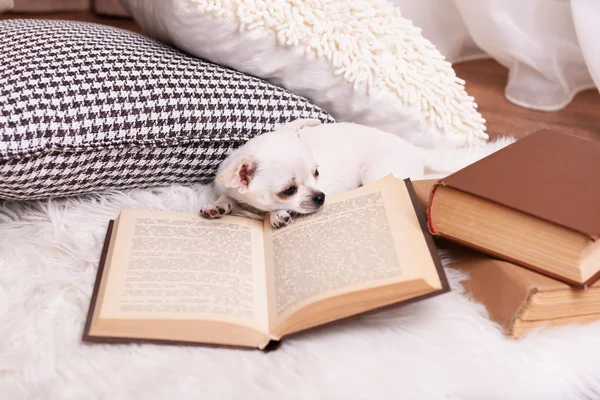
(535, 203)
(172, 277)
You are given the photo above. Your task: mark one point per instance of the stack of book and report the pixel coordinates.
(531, 212)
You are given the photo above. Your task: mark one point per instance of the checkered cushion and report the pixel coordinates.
(86, 108)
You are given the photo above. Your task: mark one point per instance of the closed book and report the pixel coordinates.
(535, 203)
(520, 300)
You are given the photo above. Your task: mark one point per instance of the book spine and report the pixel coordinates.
(430, 209)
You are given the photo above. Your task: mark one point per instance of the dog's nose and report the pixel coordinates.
(319, 198)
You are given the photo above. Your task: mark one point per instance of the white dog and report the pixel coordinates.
(292, 169)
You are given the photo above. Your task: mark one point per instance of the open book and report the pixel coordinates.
(169, 277)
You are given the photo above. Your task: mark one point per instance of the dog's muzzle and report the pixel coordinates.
(313, 203)
(319, 199)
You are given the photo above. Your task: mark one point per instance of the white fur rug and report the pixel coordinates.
(441, 348)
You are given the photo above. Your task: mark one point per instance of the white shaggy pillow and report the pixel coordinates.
(359, 60)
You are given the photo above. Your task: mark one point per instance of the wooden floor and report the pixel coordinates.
(485, 79)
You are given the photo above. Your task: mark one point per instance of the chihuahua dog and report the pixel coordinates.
(292, 169)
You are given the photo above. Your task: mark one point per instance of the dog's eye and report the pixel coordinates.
(289, 191)
(316, 174)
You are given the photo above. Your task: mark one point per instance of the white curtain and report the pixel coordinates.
(551, 47)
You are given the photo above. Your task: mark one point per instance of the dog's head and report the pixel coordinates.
(274, 171)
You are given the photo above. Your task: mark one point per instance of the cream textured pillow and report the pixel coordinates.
(359, 60)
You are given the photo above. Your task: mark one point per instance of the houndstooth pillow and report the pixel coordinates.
(86, 108)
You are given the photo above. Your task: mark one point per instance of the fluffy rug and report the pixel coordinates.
(441, 348)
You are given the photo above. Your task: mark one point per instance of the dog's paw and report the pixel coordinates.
(217, 209)
(211, 210)
(280, 218)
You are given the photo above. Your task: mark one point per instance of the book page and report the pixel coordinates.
(181, 266)
(353, 243)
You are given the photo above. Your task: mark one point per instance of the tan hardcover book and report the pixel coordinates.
(520, 300)
(170, 277)
(535, 203)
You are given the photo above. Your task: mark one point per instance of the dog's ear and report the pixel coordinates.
(239, 174)
(298, 124)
